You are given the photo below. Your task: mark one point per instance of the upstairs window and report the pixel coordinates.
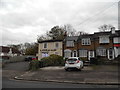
(70, 43)
(104, 39)
(86, 41)
(45, 45)
(116, 40)
(56, 45)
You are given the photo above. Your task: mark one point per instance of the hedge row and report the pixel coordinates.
(52, 60)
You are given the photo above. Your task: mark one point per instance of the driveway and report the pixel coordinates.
(90, 74)
(14, 69)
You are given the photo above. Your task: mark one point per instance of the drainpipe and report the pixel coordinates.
(94, 47)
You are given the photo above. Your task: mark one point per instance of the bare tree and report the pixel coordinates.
(70, 30)
(105, 27)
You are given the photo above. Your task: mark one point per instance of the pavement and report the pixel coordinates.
(99, 75)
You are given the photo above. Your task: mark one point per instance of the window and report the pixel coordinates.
(45, 54)
(104, 39)
(45, 45)
(67, 53)
(82, 53)
(56, 53)
(70, 43)
(101, 52)
(91, 53)
(86, 41)
(116, 40)
(56, 45)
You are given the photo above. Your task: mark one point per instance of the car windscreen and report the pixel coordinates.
(72, 59)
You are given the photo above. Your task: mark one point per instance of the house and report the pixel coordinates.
(116, 43)
(8, 51)
(87, 46)
(107, 43)
(48, 47)
(70, 46)
(104, 45)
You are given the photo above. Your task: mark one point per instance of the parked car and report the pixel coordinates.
(73, 63)
(30, 58)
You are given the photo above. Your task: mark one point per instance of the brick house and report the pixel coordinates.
(70, 46)
(104, 44)
(86, 46)
(116, 43)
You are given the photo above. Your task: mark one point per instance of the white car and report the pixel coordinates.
(73, 62)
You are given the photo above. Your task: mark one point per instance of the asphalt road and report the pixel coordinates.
(35, 84)
(13, 69)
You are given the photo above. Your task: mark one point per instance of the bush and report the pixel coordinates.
(83, 59)
(53, 60)
(34, 65)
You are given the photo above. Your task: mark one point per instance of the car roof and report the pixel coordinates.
(73, 57)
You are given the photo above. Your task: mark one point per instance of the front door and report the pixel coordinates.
(110, 54)
(90, 55)
(74, 54)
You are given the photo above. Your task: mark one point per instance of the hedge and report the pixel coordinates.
(34, 65)
(53, 60)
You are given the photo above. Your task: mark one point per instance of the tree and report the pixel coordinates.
(42, 37)
(56, 33)
(32, 49)
(81, 33)
(70, 30)
(105, 27)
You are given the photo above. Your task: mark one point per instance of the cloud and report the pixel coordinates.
(23, 20)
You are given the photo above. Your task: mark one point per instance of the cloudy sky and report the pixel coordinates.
(22, 20)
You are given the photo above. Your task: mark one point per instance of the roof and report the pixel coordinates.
(85, 36)
(71, 38)
(50, 41)
(117, 33)
(5, 49)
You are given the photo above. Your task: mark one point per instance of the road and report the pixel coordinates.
(35, 84)
(13, 69)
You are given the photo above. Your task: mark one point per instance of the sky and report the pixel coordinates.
(23, 20)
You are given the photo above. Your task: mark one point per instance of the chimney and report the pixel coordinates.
(113, 30)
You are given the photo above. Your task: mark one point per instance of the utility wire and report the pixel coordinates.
(99, 13)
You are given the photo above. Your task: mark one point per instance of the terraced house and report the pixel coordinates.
(104, 44)
(70, 46)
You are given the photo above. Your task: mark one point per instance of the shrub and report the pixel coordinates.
(53, 60)
(34, 65)
(83, 59)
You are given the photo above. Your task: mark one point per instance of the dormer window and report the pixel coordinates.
(86, 41)
(104, 39)
(70, 43)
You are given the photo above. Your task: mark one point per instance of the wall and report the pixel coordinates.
(50, 49)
